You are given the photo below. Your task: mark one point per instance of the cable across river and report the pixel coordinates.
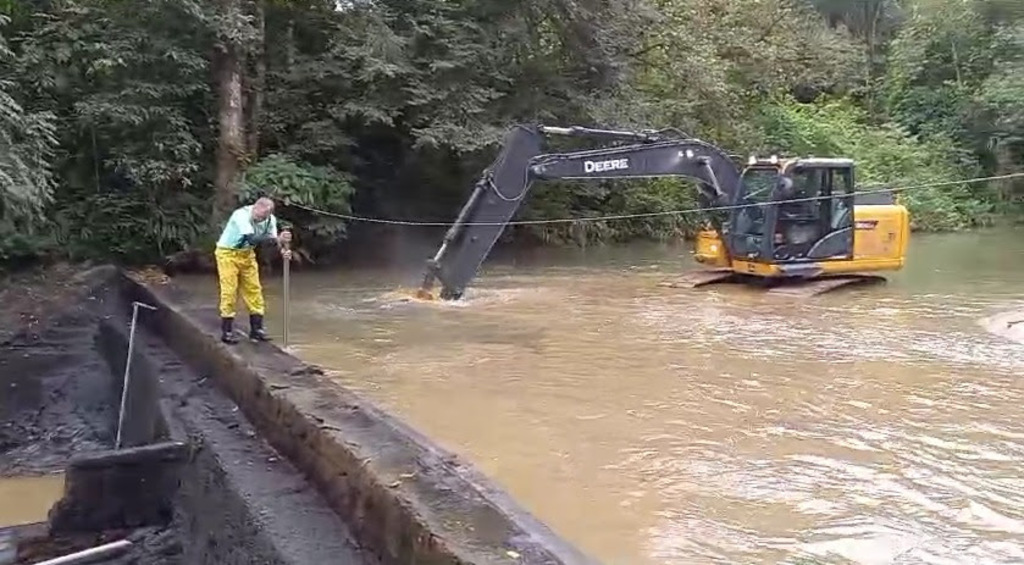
(618, 217)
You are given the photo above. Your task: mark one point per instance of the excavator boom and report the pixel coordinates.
(500, 191)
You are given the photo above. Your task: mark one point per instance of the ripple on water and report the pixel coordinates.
(875, 491)
(855, 335)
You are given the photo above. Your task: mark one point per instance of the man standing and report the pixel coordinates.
(247, 227)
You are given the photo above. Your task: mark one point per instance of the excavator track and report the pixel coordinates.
(822, 285)
(695, 279)
(798, 288)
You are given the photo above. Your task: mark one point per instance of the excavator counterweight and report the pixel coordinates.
(786, 220)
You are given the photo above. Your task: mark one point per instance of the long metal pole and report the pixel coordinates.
(287, 295)
(287, 298)
(127, 368)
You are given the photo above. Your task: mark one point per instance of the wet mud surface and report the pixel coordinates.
(55, 401)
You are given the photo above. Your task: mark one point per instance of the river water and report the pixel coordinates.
(651, 425)
(27, 500)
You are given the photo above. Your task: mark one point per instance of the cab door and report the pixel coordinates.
(814, 219)
(750, 222)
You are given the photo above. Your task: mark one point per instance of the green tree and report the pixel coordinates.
(27, 146)
(887, 156)
(129, 89)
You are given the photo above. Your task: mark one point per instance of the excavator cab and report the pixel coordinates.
(798, 211)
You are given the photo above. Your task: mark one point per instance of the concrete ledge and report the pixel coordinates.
(403, 497)
(239, 500)
(129, 488)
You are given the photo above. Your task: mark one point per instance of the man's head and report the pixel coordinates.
(262, 209)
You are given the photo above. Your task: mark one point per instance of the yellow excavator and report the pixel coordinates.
(795, 226)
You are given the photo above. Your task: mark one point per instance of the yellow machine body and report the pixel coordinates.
(881, 237)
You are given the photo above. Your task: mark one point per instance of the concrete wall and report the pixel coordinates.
(144, 421)
(239, 501)
(134, 486)
(404, 498)
(129, 488)
(196, 473)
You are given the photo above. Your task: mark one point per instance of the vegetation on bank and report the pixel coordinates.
(129, 127)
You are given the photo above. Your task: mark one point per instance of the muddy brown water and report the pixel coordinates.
(27, 500)
(659, 426)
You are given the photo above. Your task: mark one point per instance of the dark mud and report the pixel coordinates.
(55, 401)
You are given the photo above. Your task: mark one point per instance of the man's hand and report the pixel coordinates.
(285, 238)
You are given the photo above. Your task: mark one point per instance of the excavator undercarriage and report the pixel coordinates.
(793, 226)
(798, 287)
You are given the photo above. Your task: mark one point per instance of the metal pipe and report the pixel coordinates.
(460, 220)
(127, 369)
(286, 265)
(84, 556)
(287, 298)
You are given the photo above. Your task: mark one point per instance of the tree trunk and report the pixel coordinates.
(257, 83)
(231, 119)
(871, 14)
(289, 48)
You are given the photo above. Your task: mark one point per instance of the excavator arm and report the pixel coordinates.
(505, 183)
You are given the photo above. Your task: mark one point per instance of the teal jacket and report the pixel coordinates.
(242, 233)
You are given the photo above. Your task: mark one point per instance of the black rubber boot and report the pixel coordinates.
(227, 331)
(256, 331)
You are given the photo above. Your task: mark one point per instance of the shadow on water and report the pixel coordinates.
(653, 425)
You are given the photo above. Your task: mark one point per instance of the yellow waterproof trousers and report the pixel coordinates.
(237, 267)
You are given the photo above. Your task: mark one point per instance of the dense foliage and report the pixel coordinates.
(128, 128)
